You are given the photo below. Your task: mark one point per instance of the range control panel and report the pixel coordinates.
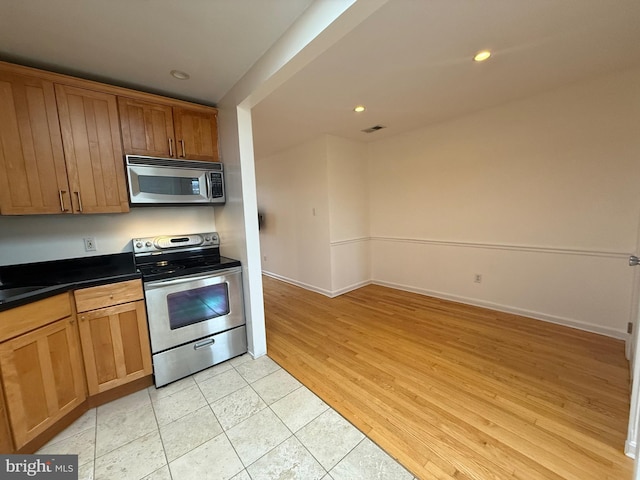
(163, 243)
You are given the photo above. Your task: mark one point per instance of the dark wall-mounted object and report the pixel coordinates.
(260, 220)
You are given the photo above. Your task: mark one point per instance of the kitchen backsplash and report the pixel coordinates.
(25, 239)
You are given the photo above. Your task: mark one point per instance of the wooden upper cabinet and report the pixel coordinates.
(196, 134)
(33, 177)
(163, 130)
(93, 150)
(62, 140)
(147, 128)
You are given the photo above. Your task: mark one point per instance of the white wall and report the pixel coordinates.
(348, 191)
(30, 238)
(293, 197)
(320, 26)
(314, 199)
(540, 196)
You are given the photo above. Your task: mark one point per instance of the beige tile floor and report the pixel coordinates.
(244, 419)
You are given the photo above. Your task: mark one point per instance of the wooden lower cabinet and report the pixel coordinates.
(6, 442)
(48, 360)
(43, 378)
(115, 338)
(115, 345)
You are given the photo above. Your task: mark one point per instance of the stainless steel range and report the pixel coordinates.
(194, 303)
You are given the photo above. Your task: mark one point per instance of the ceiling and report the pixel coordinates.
(136, 43)
(409, 62)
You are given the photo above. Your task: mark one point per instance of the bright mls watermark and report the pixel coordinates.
(49, 467)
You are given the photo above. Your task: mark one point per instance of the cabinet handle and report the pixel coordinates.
(79, 202)
(170, 147)
(183, 152)
(60, 192)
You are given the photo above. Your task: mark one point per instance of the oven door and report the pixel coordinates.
(184, 309)
(157, 184)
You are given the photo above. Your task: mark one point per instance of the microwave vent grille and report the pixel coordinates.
(173, 163)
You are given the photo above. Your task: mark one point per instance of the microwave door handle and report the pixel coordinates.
(208, 186)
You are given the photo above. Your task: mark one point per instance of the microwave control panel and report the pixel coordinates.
(217, 185)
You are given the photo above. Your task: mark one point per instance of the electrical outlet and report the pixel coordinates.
(477, 278)
(90, 244)
(264, 257)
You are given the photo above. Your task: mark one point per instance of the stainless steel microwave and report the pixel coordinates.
(166, 181)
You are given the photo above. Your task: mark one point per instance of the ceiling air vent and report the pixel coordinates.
(375, 128)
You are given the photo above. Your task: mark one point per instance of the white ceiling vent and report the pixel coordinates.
(375, 128)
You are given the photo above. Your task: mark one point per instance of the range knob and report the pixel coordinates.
(207, 239)
(138, 244)
(148, 244)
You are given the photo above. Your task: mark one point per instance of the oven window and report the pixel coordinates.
(169, 185)
(197, 305)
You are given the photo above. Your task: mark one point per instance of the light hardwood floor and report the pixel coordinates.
(454, 391)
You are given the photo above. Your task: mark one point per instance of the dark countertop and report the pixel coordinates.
(28, 282)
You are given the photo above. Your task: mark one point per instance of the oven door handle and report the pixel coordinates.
(187, 279)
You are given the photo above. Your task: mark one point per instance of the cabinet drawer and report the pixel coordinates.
(108, 295)
(34, 315)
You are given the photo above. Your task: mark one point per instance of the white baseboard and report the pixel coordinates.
(254, 356)
(567, 322)
(630, 449)
(350, 288)
(306, 286)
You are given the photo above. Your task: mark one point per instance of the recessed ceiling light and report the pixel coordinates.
(482, 56)
(359, 108)
(180, 75)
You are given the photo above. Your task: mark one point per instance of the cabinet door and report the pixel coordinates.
(6, 443)
(33, 177)
(196, 134)
(93, 150)
(43, 378)
(147, 128)
(115, 345)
